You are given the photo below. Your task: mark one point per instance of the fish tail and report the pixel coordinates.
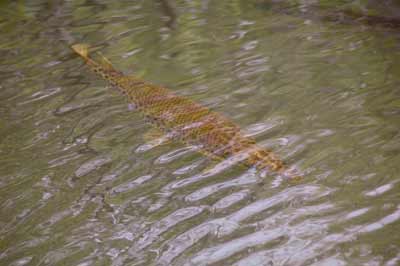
(102, 65)
(81, 49)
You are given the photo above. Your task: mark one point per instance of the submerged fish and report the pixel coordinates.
(184, 119)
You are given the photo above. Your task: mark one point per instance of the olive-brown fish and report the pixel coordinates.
(185, 120)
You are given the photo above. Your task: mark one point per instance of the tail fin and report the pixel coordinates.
(81, 49)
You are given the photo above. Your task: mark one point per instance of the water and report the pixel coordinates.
(82, 183)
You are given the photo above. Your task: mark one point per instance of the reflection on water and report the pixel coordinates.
(81, 184)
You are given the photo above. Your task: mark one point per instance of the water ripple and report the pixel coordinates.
(81, 185)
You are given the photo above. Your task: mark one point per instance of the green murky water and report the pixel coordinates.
(82, 184)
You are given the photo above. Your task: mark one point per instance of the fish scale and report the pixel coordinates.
(190, 122)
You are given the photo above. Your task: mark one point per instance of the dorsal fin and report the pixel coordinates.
(81, 49)
(105, 62)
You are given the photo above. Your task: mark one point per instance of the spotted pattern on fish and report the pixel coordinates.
(188, 121)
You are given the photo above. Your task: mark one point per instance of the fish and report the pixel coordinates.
(184, 119)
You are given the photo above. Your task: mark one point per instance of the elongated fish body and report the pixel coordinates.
(188, 121)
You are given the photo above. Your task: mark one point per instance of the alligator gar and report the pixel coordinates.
(188, 121)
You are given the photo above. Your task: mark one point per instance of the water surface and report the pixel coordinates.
(82, 183)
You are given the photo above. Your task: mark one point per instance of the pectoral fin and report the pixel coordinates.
(153, 134)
